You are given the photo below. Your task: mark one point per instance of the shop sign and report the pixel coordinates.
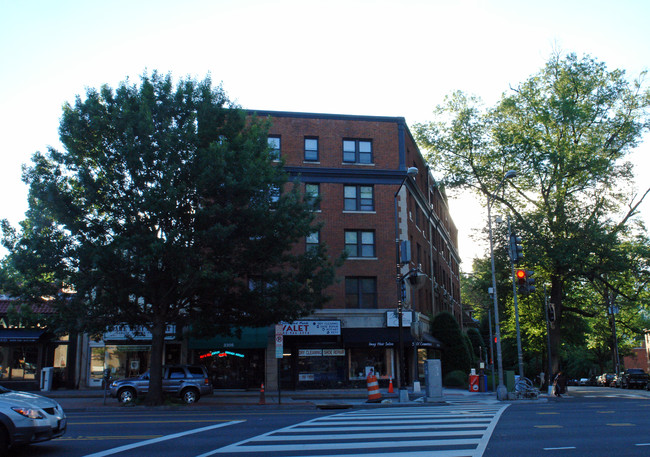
(333, 352)
(312, 328)
(305, 376)
(381, 344)
(310, 352)
(392, 320)
(126, 332)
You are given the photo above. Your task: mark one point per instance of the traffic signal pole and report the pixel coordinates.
(514, 257)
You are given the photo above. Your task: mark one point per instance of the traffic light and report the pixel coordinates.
(516, 251)
(530, 288)
(525, 281)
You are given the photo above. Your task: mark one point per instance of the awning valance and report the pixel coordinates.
(20, 335)
(251, 338)
(385, 337)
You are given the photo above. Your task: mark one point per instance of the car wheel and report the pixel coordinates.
(190, 396)
(126, 395)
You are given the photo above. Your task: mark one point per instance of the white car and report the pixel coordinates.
(27, 418)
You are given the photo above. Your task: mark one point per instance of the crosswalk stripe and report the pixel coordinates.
(427, 431)
(347, 446)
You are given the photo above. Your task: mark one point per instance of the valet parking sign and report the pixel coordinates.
(303, 328)
(311, 328)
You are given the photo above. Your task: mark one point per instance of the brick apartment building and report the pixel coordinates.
(355, 164)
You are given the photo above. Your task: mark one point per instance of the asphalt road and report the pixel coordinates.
(589, 422)
(161, 433)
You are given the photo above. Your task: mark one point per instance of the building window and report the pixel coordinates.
(357, 151)
(274, 193)
(360, 243)
(311, 149)
(359, 198)
(312, 241)
(274, 146)
(360, 292)
(312, 192)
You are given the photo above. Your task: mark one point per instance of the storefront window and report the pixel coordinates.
(97, 356)
(233, 368)
(124, 361)
(361, 360)
(19, 362)
(321, 368)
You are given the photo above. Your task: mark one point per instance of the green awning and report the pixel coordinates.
(251, 338)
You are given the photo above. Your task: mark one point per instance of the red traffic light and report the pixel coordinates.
(521, 275)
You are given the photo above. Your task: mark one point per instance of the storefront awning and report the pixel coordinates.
(251, 338)
(385, 337)
(20, 335)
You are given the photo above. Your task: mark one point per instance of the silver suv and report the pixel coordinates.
(188, 382)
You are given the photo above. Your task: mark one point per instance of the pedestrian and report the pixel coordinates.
(559, 384)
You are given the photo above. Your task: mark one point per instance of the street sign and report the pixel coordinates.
(279, 341)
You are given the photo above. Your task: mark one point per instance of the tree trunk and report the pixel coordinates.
(556, 327)
(155, 395)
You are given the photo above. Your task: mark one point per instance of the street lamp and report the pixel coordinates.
(502, 392)
(403, 393)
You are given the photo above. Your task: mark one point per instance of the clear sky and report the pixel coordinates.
(386, 58)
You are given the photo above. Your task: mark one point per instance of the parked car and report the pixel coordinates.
(605, 379)
(634, 378)
(189, 382)
(27, 418)
(616, 380)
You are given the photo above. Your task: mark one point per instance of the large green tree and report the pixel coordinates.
(166, 207)
(567, 131)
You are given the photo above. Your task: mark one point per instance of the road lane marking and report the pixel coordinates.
(128, 447)
(559, 448)
(119, 437)
(548, 426)
(622, 424)
(547, 413)
(605, 412)
(189, 421)
(642, 444)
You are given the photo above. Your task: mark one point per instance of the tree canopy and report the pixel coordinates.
(566, 131)
(165, 207)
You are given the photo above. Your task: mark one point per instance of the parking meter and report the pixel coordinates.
(107, 381)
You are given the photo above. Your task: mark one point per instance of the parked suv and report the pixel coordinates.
(27, 418)
(634, 377)
(188, 382)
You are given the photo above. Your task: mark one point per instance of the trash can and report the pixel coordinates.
(47, 375)
(473, 383)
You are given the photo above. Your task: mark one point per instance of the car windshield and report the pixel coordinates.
(4, 390)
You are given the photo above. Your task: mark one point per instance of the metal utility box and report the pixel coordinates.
(433, 379)
(47, 375)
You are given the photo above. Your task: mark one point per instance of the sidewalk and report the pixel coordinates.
(93, 399)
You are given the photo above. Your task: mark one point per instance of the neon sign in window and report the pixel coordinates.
(220, 354)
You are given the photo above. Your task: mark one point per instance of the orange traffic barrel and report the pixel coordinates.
(373, 389)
